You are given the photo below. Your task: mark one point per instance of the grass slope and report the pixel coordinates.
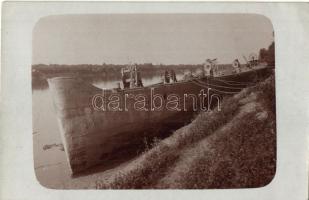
(231, 148)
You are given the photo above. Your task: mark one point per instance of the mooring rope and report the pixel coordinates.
(234, 82)
(234, 88)
(230, 84)
(220, 91)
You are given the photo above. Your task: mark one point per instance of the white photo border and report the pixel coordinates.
(291, 29)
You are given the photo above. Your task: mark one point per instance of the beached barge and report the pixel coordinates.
(94, 123)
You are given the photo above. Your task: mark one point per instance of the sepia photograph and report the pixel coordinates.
(154, 101)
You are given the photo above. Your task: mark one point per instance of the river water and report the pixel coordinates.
(50, 162)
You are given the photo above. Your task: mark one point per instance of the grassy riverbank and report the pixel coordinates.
(231, 148)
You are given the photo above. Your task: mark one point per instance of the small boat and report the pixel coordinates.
(94, 123)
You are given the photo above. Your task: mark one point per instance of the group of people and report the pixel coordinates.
(210, 68)
(170, 76)
(131, 77)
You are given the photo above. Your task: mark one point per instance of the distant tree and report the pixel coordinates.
(262, 54)
(271, 54)
(268, 55)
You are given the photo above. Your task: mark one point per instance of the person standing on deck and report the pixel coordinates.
(132, 76)
(125, 78)
(166, 77)
(207, 68)
(173, 76)
(236, 65)
(138, 78)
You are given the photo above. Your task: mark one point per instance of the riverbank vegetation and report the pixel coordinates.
(231, 148)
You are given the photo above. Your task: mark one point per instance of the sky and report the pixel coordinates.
(149, 38)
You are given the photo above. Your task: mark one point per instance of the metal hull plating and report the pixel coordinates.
(90, 134)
